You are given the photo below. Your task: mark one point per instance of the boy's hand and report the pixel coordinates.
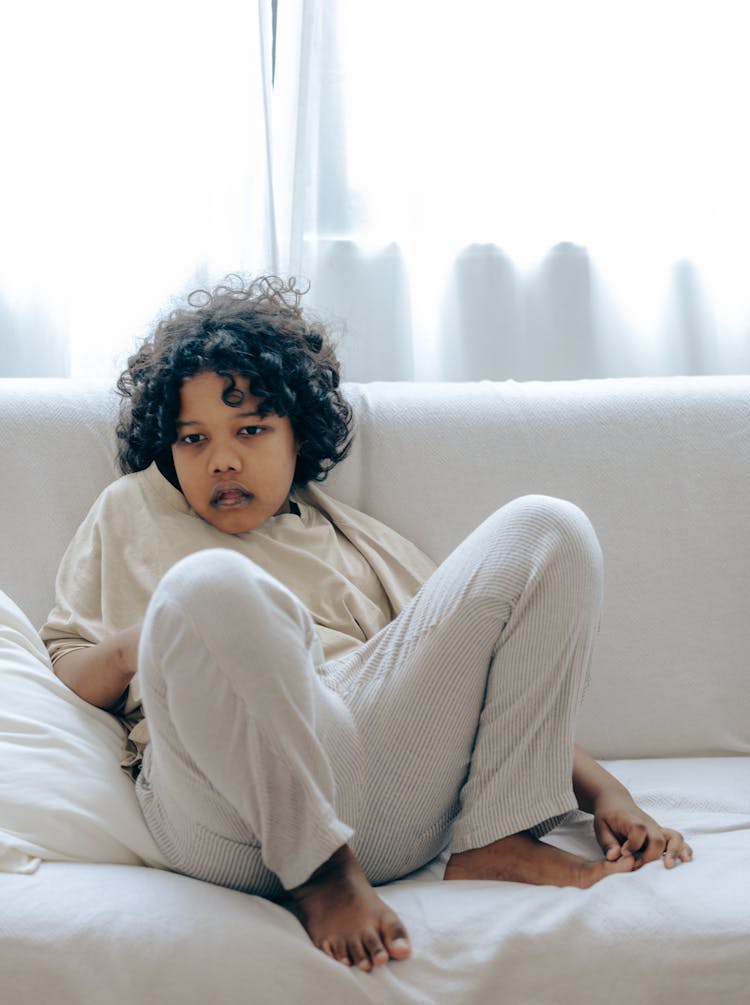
(623, 828)
(100, 673)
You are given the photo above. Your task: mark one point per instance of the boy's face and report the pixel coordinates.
(234, 468)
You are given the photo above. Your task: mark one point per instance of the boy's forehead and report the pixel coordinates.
(207, 387)
(206, 392)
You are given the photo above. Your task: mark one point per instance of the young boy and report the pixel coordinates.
(325, 710)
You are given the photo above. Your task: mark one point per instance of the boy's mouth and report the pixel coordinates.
(229, 496)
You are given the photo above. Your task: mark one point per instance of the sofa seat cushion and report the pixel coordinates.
(657, 936)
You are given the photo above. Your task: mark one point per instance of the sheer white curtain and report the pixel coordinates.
(525, 189)
(134, 167)
(519, 188)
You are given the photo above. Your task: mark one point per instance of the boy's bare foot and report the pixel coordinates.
(522, 858)
(346, 918)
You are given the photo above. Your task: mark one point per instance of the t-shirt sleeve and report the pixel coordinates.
(75, 620)
(78, 619)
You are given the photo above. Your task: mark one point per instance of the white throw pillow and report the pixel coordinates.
(63, 795)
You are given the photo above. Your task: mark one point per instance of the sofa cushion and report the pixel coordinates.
(655, 937)
(63, 795)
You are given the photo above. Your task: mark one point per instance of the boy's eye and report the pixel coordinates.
(251, 430)
(193, 438)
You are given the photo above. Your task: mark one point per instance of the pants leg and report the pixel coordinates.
(252, 773)
(466, 704)
(464, 709)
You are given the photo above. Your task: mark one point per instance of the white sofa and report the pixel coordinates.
(662, 467)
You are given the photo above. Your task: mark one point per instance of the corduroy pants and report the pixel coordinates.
(453, 725)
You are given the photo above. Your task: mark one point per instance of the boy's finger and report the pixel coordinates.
(636, 839)
(676, 850)
(608, 842)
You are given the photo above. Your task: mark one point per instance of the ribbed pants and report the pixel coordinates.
(453, 725)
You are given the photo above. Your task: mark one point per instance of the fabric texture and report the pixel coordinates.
(62, 794)
(458, 718)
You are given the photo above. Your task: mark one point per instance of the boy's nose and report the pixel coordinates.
(225, 459)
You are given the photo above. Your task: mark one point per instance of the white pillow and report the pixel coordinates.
(63, 795)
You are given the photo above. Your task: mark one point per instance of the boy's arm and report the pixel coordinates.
(620, 825)
(100, 673)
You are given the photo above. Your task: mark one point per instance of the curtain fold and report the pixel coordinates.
(527, 190)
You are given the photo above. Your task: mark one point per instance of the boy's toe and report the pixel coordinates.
(397, 942)
(375, 948)
(359, 955)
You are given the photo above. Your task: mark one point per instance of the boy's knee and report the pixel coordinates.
(228, 597)
(221, 633)
(560, 529)
(214, 574)
(222, 580)
(558, 517)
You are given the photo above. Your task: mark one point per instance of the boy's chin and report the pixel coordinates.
(237, 520)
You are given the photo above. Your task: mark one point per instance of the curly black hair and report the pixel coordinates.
(255, 329)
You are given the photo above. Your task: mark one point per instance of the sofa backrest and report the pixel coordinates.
(61, 449)
(661, 466)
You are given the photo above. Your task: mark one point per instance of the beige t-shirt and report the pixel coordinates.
(352, 572)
